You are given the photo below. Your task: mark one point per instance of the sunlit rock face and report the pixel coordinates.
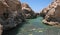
(14, 4)
(29, 13)
(3, 6)
(52, 16)
(11, 13)
(44, 12)
(47, 9)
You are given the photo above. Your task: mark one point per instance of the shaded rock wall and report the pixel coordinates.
(11, 13)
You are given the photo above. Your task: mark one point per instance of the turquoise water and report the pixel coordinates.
(34, 27)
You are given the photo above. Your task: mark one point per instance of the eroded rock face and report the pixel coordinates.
(29, 13)
(52, 16)
(11, 13)
(44, 12)
(3, 6)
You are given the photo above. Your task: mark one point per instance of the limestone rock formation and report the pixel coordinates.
(29, 13)
(52, 16)
(11, 13)
(44, 12)
(47, 9)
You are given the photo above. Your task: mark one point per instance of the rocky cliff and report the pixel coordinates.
(11, 14)
(29, 13)
(51, 14)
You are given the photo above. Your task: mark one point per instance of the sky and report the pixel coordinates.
(37, 5)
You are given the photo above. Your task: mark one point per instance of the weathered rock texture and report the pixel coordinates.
(53, 5)
(11, 13)
(1, 29)
(51, 14)
(29, 13)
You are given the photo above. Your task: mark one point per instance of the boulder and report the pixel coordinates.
(44, 12)
(53, 15)
(51, 23)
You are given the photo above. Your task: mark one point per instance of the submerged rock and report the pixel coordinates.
(29, 13)
(52, 16)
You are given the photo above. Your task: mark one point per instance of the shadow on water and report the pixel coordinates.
(14, 30)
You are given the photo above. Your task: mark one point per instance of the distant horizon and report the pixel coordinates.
(37, 5)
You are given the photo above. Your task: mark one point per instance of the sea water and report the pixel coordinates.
(34, 27)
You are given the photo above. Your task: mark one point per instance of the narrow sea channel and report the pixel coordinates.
(34, 27)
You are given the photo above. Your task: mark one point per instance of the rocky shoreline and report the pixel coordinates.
(29, 13)
(13, 13)
(51, 14)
